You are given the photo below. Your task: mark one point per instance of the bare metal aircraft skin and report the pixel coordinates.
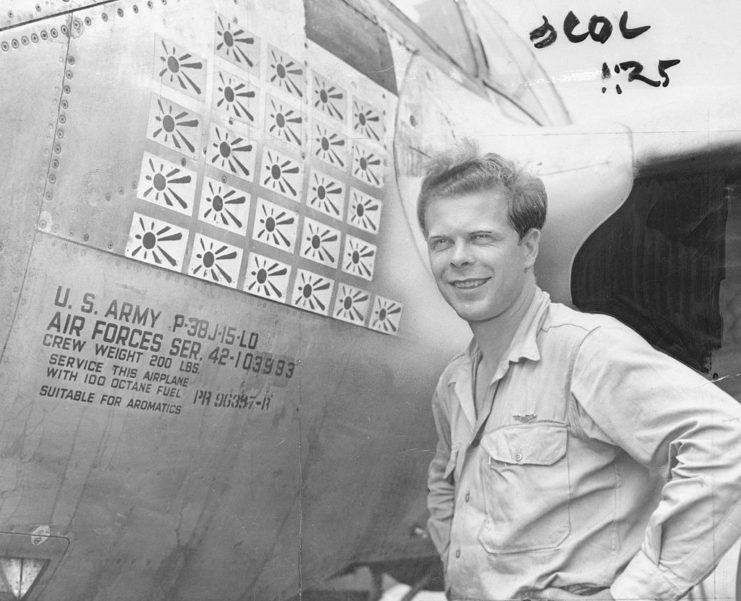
(219, 335)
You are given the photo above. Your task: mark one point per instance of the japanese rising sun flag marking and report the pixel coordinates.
(312, 292)
(366, 121)
(235, 97)
(281, 174)
(386, 315)
(231, 152)
(283, 121)
(328, 97)
(351, 304)
(275, 225)
(156, 242)
(359, 257)
(224, 206)
(285, 73)
(166, 184)
(367, 165)
(179, 69)
(236, 44)
(326, 194)
(320, 243)
(267, 277)
(329, 145)
(215, 261)
(364, 212)
(173, 126)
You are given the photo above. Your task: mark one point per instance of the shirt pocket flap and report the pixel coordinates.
(532, 444)
(452, 461)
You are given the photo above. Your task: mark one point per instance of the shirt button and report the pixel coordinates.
(468, 497)
(457, 553)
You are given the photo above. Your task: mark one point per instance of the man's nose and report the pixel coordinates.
(461, 254)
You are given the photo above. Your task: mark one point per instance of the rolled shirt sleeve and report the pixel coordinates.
(440, 484)
(675, 422)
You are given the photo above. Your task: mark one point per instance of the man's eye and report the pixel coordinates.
(438, 244)
(481, 238)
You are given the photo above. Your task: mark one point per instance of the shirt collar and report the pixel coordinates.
(524, 343)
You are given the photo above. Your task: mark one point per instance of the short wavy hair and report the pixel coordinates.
(464, 171)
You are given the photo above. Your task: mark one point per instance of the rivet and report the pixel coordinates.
(71, 60)
(55, 164)
(52, 178)
(136, 8)
(48, 195)
(14, 43)
(10, 14)
(86, 237)
(63, 118)
(65, 103)
(43, 34)
(412, 121)
(60, 133)
(67, 89)
(77, 24)
(42, 224)
(120, 12)
(109, 245)
(5, 46)
(38, 8)
(63, 29)
(58, 148)
(68, 74)
(150, 3)
(34, 38)
(104, 16)
(24, 40)
(53, 32)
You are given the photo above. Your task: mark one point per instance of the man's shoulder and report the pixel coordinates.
(573, 325)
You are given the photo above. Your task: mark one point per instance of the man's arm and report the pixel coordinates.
(440, 484)
(670, 419)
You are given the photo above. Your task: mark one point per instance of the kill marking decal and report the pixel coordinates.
(285, 72)
(215, 261)
(283, 121)
(237, 45)
(364, 212)
(275, 226)
(231, 152)
(235, 97)
(223, 206)
(386, 315)
(351, 304)
(329, 145)
(312, 292)
(328, 98)
(326, 194)
(156, 242)
(173, 126)
(166, 184)
(267, 277)
(320, 243)
(367, 165)
(359, 257)
(179, 69)
(281, 174)
(367, 121)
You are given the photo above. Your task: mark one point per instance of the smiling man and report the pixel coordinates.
(574, 461)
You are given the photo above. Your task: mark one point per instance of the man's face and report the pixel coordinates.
(477, 257)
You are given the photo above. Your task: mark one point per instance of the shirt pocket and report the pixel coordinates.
(525, 479)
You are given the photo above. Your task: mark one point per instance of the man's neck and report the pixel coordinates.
(495, 335)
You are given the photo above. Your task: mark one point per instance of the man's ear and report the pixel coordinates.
(530, 243)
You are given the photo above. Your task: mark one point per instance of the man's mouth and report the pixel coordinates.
(469, 284)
